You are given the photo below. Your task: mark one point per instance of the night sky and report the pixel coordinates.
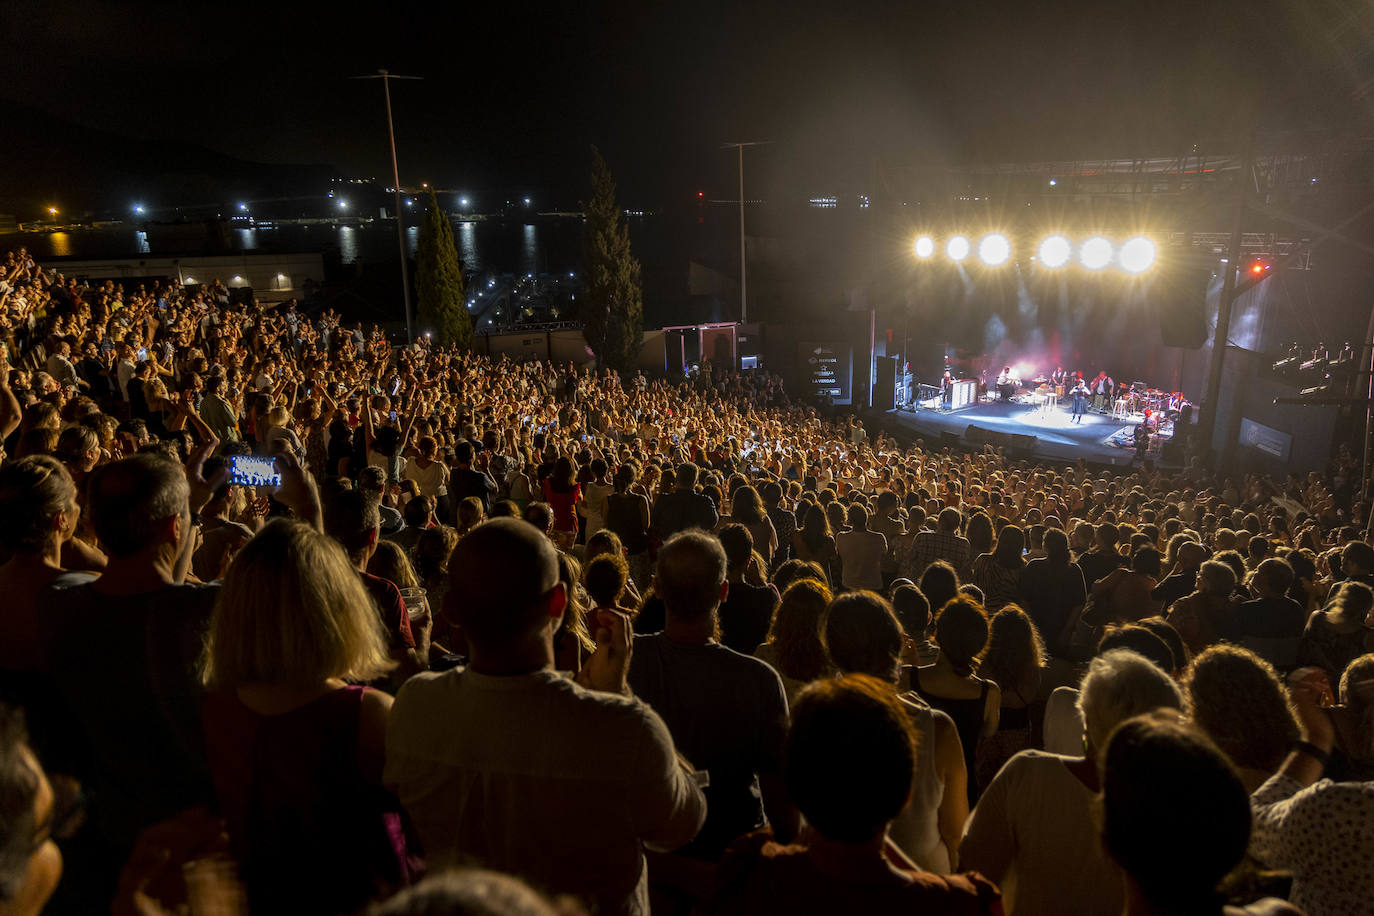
(514, 93)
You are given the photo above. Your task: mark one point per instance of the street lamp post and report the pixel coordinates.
(386, 78)
(743, 286)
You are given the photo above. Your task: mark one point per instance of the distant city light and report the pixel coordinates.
(527, 201)
(925, 247)
(463, 202)
(243, 206)
(1053, 182)
(343, 204)
(424, 184)
(1095, 253)
(138, 208)
(1137, 255)
(994, 249)
(1055, 251)
(52, 211)
(410, 203)
(957, 248)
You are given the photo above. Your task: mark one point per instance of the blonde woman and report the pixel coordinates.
(296, 752)
(279, 427)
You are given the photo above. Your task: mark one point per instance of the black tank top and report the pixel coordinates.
(622, 517)
(968, 721)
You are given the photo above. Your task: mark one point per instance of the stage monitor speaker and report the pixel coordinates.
(885, 388)
(1185, 417)
(1014, 442)
(1183, 308)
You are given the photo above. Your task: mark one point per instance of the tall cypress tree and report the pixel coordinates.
(613, 305)
(439, 281)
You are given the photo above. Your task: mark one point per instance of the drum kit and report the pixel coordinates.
(1141, 398)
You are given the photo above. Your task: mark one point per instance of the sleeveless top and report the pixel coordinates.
(917, 829)
(308, 830)
(967, 714)
(592, 494)
(623, 518)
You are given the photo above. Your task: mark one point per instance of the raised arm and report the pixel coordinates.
(10, 411)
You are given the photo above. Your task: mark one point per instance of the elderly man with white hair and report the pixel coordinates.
(1033, 830)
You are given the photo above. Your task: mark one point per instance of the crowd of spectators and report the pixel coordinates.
(507, 637)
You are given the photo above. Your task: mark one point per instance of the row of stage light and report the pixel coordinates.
(1135, 255)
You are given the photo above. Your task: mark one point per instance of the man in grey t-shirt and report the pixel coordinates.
(507, 764)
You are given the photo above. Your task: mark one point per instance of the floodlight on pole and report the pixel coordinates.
(925, 247)
(957, 248)
(1055, 251)
(994, 250)
(1095, 253)
(1137, 255)
(743, 286)
(386, 78)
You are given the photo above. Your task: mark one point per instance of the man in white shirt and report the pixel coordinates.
(861, 552)
(507, 764)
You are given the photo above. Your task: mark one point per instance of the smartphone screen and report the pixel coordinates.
(252, 471)
(393, 416)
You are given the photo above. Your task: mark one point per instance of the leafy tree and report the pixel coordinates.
(613, 305)
(439, 281)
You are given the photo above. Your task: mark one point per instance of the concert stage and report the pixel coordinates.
(1023, 430)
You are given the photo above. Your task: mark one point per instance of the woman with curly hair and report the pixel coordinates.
(1014, 659)
(1352, 759)
(794, 647)
(1238, 700)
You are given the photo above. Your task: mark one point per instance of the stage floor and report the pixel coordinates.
(1057, 437)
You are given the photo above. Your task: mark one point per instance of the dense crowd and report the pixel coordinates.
(297, 620)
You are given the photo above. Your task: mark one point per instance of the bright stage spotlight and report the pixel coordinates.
(957, 249)
(1137, 255)
(1055, 251)
(1095, 253)
(994, 249)
(925, 247)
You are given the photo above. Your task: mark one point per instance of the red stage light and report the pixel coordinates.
(1257, 269)
(700, 195)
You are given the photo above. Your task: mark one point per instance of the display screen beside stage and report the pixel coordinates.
(1271, 441)
(828, 368)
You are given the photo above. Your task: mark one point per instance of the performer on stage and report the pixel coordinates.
(1099, 389)
(1141, 437)
(1005, 387)
(1080, 399)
